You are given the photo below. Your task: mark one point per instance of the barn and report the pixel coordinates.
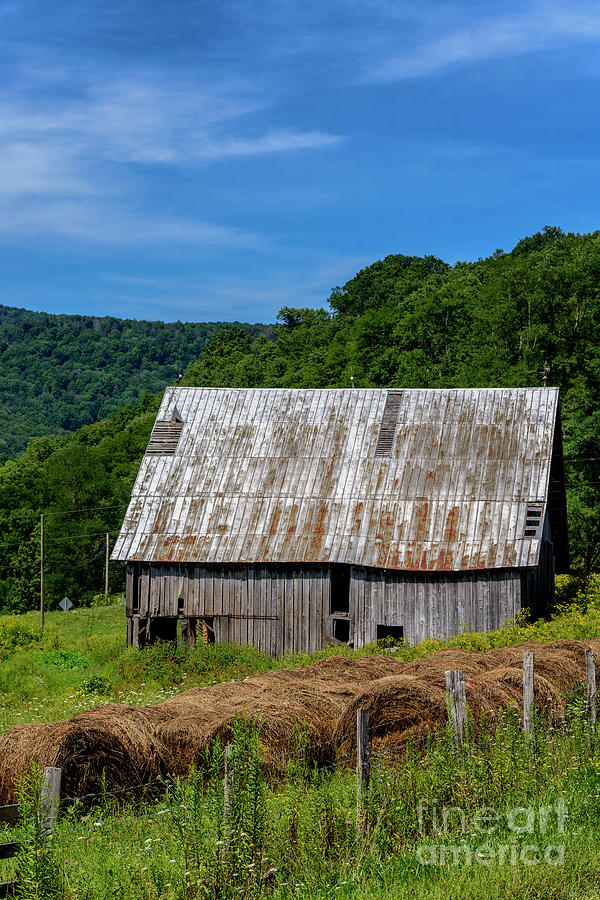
(288, 519)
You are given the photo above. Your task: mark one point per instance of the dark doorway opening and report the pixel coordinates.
(340, 590)
(390, 633)
(163, 629)
(341, 630)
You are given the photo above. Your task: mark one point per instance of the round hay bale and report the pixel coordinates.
(594, 644)
(280, 731)
(563, 669)
(400, 707)
(184, 738)
(452, 658)
(198, 699)
(347, 669)
(510, 678)
(116, 739)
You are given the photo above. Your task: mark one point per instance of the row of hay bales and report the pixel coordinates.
(134, 746)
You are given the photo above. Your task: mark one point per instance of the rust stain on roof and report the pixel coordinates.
(291, 476)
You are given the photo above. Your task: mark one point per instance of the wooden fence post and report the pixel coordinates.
(50, 797)
(457, 703)
(48, 811)
(590, 706)
(227, 797)
(528, 693)
(363, 768)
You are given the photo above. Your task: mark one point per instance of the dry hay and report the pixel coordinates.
(116, 739)
(322, 689)
(351, 670)
(399, 707)
(284, 729)
(510, 678)
(405, 701)
(563, 668)
(594, 644)
(453, 658)
(198, 699)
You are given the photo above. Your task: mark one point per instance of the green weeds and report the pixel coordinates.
(515, 798)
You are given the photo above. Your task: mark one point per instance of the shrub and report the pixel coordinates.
(18, 633)
(96, 684)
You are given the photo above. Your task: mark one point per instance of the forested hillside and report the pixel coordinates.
(508, 320)
(58, 373)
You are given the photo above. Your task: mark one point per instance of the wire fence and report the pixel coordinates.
(456, 713)
(461, 712)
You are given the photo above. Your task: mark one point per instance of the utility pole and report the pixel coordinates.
(42, 573)
(106, 567)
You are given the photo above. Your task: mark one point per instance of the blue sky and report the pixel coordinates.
(200, 161)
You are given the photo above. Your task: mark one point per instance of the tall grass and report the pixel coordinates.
(497, 798)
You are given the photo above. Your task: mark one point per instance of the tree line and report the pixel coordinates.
(514, 319)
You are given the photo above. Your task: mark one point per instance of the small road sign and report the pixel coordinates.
(65, 604)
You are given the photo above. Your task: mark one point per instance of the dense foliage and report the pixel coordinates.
(510, 320)
(82, 483)
(58, 373)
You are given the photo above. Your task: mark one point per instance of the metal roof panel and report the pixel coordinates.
(284, 475)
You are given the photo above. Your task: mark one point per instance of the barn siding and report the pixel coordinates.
(281, 610)
(537, 583)
(429, 605)
(274, 609)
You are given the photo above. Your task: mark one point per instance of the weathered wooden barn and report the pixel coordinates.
(290, 518)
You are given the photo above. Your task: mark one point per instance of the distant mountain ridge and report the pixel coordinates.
(59, 372)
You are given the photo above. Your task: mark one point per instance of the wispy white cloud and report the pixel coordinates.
(113, 225)
(255, 298)
(542, 27)
(86, 149)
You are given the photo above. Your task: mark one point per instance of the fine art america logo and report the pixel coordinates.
(522, 824)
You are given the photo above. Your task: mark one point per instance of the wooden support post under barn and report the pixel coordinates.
(289, 519)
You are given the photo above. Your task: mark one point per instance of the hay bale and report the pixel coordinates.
(116, 739)
(453, 658)
(563, 668)
(280, 725)
(399, 707)
(547, 697)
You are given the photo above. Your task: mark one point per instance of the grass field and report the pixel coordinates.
(297, 837)
(82, 661)
(515, 819)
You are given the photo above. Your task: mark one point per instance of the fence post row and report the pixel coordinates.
(528, 693)
(590, 706)
(457, 703)
(363, 768)
(50, 795)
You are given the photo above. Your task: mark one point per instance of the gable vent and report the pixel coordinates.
(165, 437)
(387, 431)
(533, 520)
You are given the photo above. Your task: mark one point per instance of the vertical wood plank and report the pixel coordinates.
(363, 769)
(280, 613)
(245, 611)
(457, 704)
(288, 628)
(590, 676)
(50, 796)
(528, 693)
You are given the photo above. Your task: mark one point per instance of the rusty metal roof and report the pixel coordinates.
(294, 476)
